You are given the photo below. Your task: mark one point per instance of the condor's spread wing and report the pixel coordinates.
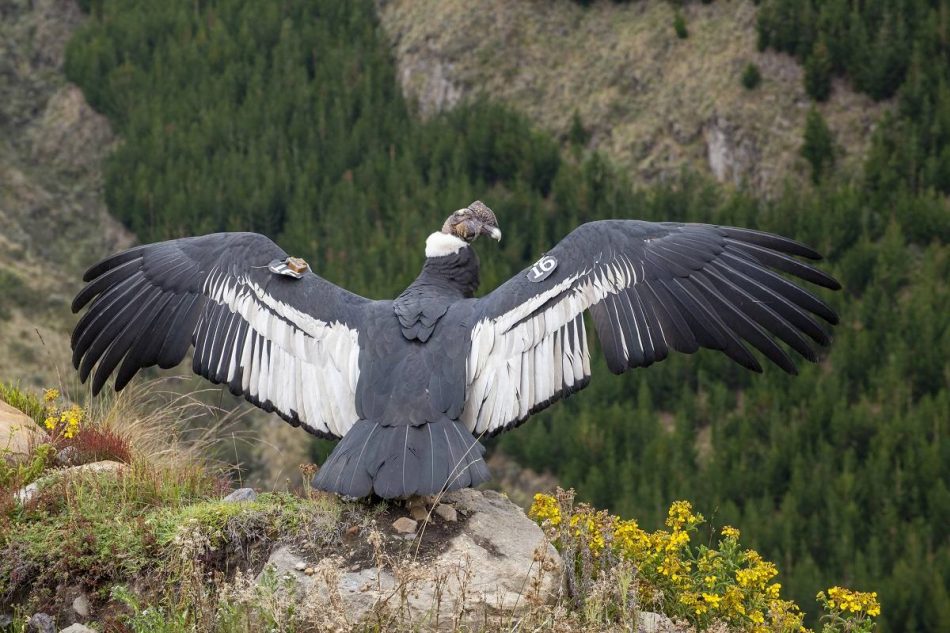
(287, 345)
(650, 288)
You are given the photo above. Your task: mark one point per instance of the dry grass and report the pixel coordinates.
(166, 426)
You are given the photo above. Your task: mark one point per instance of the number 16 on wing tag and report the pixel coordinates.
(542, 269)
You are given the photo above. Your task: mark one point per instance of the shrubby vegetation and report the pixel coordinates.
(13, 293)
(150, 543)
(671, 571)
(286, 119)
(154, 548)
(751, 77)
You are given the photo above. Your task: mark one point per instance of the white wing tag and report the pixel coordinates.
(292, 267)
(542, 269)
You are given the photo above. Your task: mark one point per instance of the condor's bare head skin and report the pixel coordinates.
(474, 220)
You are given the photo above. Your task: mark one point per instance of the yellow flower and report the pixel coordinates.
(50, 422)
(757, 617)
(730, 532)
(50, 394)
(630, 539)
(711, 599)
(759, 573)
(842, 599)
(545, 508)
(681, 513)
(72, 418)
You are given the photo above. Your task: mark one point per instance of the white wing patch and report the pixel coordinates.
(310, 368)
(529, 356)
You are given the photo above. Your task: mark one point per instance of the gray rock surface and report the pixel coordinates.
(241, 494)
(41, 623)
(446, 512)
(77, 628)
(496, 558)
(650, 622)
(67, 456)
(405, 525)
(81, 606)
(70, 135)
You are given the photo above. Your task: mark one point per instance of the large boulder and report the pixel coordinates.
(18, 433)
(492, 562)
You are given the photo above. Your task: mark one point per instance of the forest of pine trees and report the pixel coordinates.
(286, 118)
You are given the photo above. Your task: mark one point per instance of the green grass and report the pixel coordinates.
(24, 401)
(99, 530)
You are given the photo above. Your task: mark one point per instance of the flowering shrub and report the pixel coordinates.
(61, 421)
(848, 610)
(725, 585)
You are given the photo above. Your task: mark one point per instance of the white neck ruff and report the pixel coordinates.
(441, 244)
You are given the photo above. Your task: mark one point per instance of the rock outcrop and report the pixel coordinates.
(492, 562)
(18, 433)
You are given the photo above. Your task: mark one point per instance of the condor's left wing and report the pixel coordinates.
(287, 345)
(650, 288)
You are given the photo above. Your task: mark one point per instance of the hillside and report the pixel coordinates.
(289, 119)
(654, 103)
(53, 221)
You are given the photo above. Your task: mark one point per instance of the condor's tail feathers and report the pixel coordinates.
(395, 462)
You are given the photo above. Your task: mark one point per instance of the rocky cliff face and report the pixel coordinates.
(653, 102)
(53, 221)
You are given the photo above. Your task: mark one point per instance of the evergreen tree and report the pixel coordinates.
(818, 147)
(818, 73)
(578, 134)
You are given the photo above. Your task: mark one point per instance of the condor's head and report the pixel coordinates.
(461, 228)
(474, 220)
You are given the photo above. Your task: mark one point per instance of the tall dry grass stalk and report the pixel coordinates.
(167, 426)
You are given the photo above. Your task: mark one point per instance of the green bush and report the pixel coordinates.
(13, 293)
(751, 77)
(679, 25)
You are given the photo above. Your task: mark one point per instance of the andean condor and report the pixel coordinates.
(410, 384)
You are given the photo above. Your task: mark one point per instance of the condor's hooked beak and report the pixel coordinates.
(492, 231)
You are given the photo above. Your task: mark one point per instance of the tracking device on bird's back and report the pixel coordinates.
(542, 269)
(292, 267)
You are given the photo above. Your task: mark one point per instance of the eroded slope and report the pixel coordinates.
(650, 100)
